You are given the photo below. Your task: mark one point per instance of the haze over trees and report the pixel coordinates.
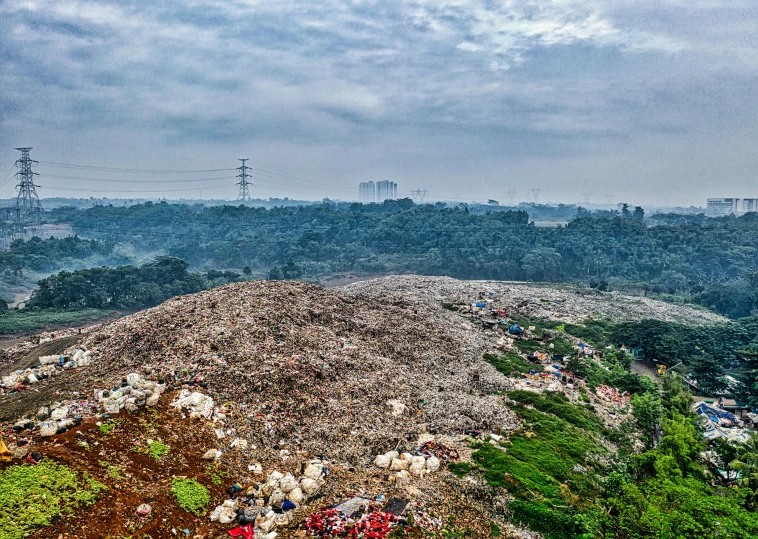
(713, 262)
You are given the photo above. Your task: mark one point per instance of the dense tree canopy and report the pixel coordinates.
(123, 287)
(712, 261)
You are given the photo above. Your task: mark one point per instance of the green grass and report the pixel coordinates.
(32, 496)
(191, 495)
(562, 347)
(529, 345)
(509, 364)
(558, 404)
(459, 469)
(594, 332)
(157, 449)
(538, 465)
(23, 320)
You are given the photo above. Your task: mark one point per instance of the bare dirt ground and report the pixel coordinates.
(640, 367)
(134, 478)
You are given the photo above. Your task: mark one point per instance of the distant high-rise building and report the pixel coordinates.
(731, 206)
(367, 192)
(386, 190)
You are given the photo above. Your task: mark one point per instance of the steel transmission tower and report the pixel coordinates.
(244, 184)
(419, 195)
(27, 201)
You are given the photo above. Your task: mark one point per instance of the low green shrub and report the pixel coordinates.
(191, 495)
(157, 449)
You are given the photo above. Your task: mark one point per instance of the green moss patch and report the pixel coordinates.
(33, 496)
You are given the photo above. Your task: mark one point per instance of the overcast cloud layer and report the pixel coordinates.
(648, 101)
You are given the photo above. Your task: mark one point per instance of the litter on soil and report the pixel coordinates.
(289, 402)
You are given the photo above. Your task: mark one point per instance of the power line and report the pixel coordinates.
(125, 190)
(135, 170)
(177, 181)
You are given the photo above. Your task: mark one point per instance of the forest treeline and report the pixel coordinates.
(713, 262)
(124, 287)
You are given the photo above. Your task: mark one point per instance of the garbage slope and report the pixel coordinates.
(563, 302)
(313, 369)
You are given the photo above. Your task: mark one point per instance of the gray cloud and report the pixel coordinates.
(468, 97)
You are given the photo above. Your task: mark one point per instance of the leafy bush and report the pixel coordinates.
(32, 496)
(562, 347)
(553, 523)
(191, 495)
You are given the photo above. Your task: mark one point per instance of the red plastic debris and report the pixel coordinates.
(375, 525)
(245, 531)
(439, 450)
(326, 523)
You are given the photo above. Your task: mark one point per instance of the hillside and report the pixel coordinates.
(232, 387)
(558, 302)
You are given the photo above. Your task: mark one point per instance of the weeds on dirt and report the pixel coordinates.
(113, 471)
(109, 427)
(191, 495)
(31, 496)
(217, 476)
(153, 448)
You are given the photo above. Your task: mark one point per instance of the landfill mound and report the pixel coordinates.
(555, 301)
(307, 369)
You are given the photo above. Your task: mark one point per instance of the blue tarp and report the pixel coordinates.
(714, 413)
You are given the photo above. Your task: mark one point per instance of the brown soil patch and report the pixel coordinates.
(133, 477)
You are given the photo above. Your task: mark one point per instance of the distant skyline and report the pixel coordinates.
(650, 102)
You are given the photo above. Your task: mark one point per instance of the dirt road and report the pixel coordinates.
(15, 405)
(30, 357)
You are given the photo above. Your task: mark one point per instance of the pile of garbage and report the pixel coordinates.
(48, 336)
(563, 302)
(314, 370)
(134, 393)
(269, 504)
(57, 418)
(48, 366)
(194, 404)
(406, 465)
(721, 424)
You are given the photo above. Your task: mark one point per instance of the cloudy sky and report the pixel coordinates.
(649, 101)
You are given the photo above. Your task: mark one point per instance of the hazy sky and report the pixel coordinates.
(646, 100)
